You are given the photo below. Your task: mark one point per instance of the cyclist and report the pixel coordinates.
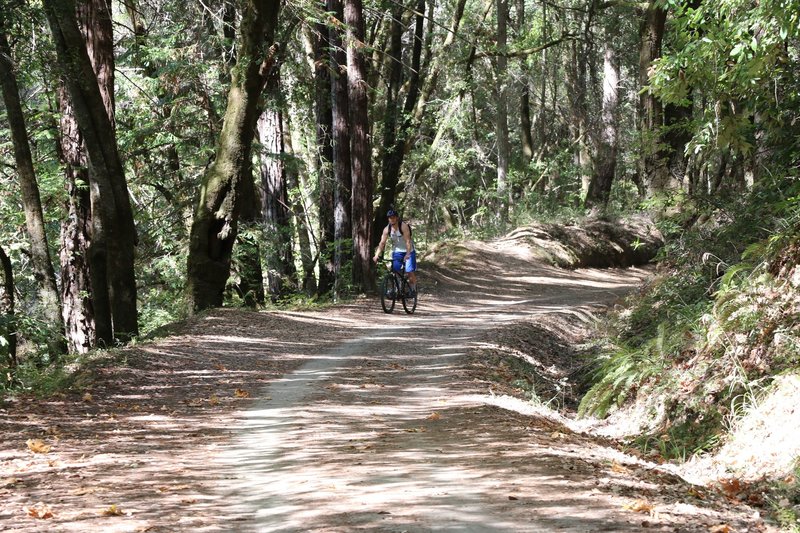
(403, 250)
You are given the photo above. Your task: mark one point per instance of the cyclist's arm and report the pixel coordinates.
(379, 251)
(407, 237)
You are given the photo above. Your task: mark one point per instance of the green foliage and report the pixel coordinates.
(740, 55)
(784, 501)
(624, 370)
(708, 333)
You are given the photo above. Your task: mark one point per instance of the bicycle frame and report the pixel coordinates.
(399, 289)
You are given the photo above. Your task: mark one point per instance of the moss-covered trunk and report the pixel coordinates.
(214, 225)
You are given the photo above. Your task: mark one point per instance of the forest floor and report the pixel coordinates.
(348, 419)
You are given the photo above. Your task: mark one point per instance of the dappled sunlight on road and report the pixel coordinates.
(380, 435)
(338, 419)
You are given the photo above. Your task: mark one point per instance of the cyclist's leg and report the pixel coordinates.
(397, 261)
(411, 270)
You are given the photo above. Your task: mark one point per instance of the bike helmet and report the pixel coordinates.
(391, 213)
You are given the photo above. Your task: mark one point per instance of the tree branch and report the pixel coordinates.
(530, 51)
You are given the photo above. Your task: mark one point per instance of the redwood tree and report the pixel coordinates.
(107, 175)
(360, 146)
(343, 179)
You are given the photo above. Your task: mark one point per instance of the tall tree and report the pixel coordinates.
(399, 121)
(343, 179)
(107, 172)
(84, 287)
(299, 212)
(275, 201)
(326, 183)
(248, 247)
(653, 175)
(607, 144)
(31, 201)
(523, 87)
(501, 120)
(360, 146)
(214, 226)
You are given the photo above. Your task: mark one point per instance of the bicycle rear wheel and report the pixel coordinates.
(388, 293)
(409, 298)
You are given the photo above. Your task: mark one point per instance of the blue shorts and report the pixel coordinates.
(397, 261)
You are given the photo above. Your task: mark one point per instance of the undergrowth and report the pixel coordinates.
(718, 321)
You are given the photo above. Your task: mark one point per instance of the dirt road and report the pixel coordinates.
(344, 420)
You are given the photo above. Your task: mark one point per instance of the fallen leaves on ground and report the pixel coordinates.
(434, 416)
(241, 393)
(40, 511)
(112, 510)
(619, 469)
(640, 506)
(37, 446)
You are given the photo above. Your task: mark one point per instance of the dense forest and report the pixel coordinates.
(162, 158)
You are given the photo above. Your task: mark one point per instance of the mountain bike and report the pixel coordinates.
(395, 286)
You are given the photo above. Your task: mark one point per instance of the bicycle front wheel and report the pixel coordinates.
(409, 298)
(388, 293)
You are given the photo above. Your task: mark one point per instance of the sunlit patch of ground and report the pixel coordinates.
(342, 420)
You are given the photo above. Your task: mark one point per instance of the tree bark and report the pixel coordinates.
(654, 176)
(343, 207)
(323, 66)
(501, 124)
(526, 135)
(606, 158)
(360, 147)
(395, 141)
(84, 286)
(31, 202)
(214, 226)
(275, 205)
(107, 173)
(8, 326)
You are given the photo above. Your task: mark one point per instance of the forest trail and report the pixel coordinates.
(345, 420)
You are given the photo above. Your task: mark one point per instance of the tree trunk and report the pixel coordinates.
(8, 326)
(394, 82)
(324, 155)
(395, 143)
(214, 225)
(438, 62)
(606, 158)
(678, 133)
(275, 205)
(31, 202)
(523, 87)
(299, 213)
(360, 147)
(501, 124)
(653, 170)
(107, 173)
(343, 207)
(84, 287)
